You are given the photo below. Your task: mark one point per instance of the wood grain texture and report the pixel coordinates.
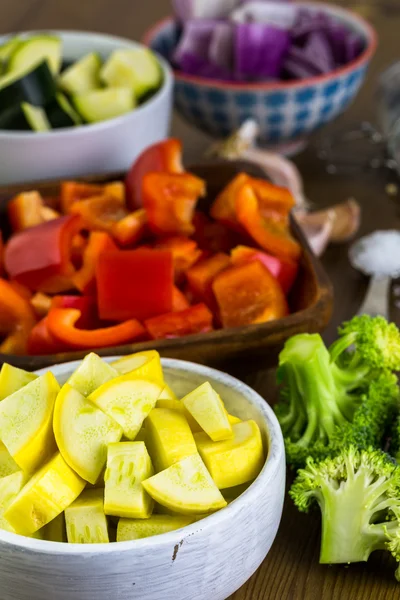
(291, 570)
(205, 561)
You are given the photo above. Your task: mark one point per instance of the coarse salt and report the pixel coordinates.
(378, 254)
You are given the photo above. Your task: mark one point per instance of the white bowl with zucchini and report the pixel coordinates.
(141, 479)
(73, 103)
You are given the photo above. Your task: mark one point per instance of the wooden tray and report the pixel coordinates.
(311, 298)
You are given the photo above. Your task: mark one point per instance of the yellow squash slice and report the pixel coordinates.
(128, 464)
(186, 488)
(83, 433)
(55, 530)
(26, 419)
(132, 529)
(233, 420)
(13, 379)
(205, 405)
(235, 461)
(168, 394)
(7, 463)
(85, 519)
(128, 400)
(146, 365)
(168, 437)
(10, 487)
(91, 374)
(47, 494)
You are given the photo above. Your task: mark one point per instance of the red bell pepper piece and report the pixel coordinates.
(170, 201)
(1, 254)
(271, 234)
(130, 229)
(164, 157)
(16, 319)
(87, 305)
(285, 271)
(21, 289)
(224, 207)
(40, 257)
(85, 279)
(179, 300)
(99, 213)
(78, 246)
(213, 236)
(185, 253)
(134, 284)
(62, 326)
(196, 319)
(248, 294)
(201, 276)
(41, 341)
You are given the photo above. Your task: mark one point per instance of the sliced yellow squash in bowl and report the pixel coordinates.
(85, 520)
(91, 374)
(146, 365)
(207, 408)
(13, 379)
(135, 529)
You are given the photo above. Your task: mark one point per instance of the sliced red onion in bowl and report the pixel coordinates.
(259, 51)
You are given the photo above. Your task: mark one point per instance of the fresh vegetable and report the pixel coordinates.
(358, 493)
(13, 379)
(285, 271)
(99, 212)
(99, 243)
(34, 50)
(10, 487)
(201, 276)
(138, 70)
(91, 374)
(35, 85)
(340, 397)
(145, 364)
(60, 113)
(25, 210)
(82, 76)
(130, 229)
(196, 319)
(8, 466)
(85, 520)
(206, 407)
(136, 529)
(259, 51)
(16, 319)
(104, 104)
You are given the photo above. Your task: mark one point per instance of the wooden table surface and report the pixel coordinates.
(291, 570)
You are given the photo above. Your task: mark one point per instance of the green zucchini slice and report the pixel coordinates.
(82, 76)
(35, 86)
(33, 51)
(100, 105)
(60, 113)
(138, 69)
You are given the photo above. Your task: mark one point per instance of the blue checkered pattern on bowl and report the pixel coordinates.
(282, 114)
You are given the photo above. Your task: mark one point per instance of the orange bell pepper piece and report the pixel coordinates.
(134, 284)
(16, 319)
(170, 201)
(25, 210)
(1, 254)
(185, 253)
(272, 197)
(41, 341)
(78, 245)
(213, 236)
(224, 207)
(73, 191)
(62, 326)
(248, 294)
(201, 276)
(130, 229)
(165, 156)
(196, 319)
(284, 270)
(272, 235)
(85, 279)
(179, 300)
(40, 257)
(99, 213)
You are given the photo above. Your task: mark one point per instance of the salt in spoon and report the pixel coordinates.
(378, 256)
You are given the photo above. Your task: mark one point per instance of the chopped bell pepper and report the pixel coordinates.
(170, 201)
(41, 304)
(196, 319)
(40, 257)
(85, 278)
(130, 229)
(25, 210)
(284, 270)
(16, 319)
(272, 197)
(272, 235)
(213, 236)
(48, 214)
(62, 326)
(40, 340)
(99, 213)
(87, 305)
(73, 191)
(1, 254)
(185, 253)
(179, 300)
(135, 284)
(78, 245)
(21, 290)
(116, 189)
(165, 156)
(249, 294)
(224, 207)
(201, 276)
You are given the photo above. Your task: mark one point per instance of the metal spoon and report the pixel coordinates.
(381, 270)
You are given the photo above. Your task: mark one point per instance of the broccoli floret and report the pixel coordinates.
(359, 497)
(325, 405)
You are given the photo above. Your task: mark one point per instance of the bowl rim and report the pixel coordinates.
(350, 16)
(77, 131)
(274, 458)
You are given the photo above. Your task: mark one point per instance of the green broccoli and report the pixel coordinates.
(358, 493)
(348, 395)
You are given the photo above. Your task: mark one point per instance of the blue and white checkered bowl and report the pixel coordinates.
(285, 111)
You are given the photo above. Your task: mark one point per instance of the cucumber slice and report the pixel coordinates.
(36, 86)
(33, 51)
(100, 105)
(60, 113)
(5, 52)
(35, 117)
(138, 69)
(82, 76)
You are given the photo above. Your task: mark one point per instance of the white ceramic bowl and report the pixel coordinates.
(208, 560)
(91, 149)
